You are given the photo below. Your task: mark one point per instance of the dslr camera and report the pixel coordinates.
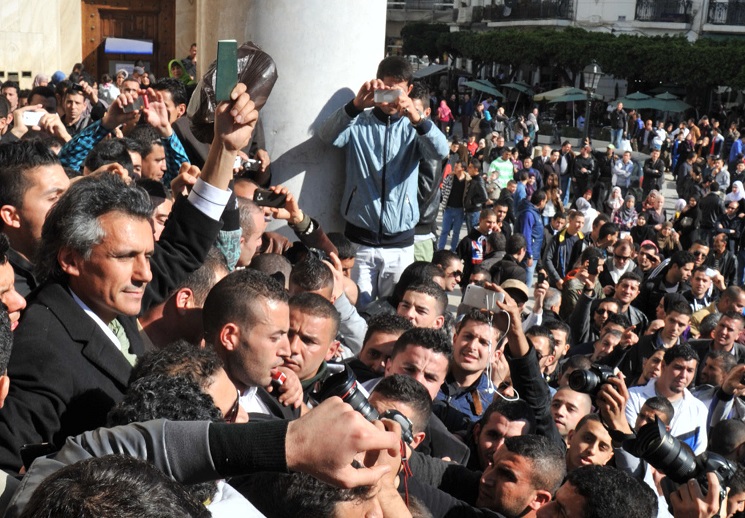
(342, 382)
(590, 380)
(654, 444)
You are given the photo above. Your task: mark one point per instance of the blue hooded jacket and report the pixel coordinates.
(530, 225)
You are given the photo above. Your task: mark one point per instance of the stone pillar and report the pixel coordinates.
(324, 50)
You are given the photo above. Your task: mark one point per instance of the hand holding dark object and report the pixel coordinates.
(256, 71)
(689, 502)
(325, 441)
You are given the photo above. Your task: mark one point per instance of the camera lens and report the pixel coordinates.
(665, 452)
(344, 385)
(584, 381)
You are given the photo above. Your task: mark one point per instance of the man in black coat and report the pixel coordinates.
(99, 267)
(712, 210)
(654, 171)
(510, 267)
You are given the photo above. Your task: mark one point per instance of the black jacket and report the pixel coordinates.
(475, 195)
(653, 174)
(67, 374)
(508, 268)
(711, 210)
(428, 196)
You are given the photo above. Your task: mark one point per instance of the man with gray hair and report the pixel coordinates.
(253, 225)
(98, 269)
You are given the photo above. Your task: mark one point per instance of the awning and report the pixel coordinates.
(127, 46)
(430, 70)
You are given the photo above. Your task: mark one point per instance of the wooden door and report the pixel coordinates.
(153, 20)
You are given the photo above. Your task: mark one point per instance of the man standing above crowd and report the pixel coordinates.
(618, 125)
(561, 249)
(379, 202)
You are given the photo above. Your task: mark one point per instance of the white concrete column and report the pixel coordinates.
(324, 50)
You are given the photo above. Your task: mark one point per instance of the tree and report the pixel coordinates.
(420, 39)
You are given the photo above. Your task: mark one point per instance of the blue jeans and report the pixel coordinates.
(452, 219)
(616, 136)
(530, 270)
(472, 220)
(565, 183)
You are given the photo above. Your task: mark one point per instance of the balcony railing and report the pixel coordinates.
(506, 10)
(727, 13)
(671, 11)
(420, 5)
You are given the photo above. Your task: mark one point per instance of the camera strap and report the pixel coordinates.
(406, 470)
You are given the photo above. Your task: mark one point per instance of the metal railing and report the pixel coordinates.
(421, 5)
(730, 12)
(528, 10)
(672, 11)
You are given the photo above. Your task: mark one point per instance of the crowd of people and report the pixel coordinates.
(166, 355)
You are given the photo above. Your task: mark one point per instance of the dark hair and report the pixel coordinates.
(512, 410)
(480, 270)
(708, 324)
(732, 292)
(317, 306)
(681, 258)
(180, 358)
(113, 486)
(4, 107)
(407, 390)
(73, 222)
(276, 266)
(155, 190)
(538, 330)
(6, 337)
(734, 315)
(619, 319)
(420, 91)
(684, 351)
(728, 360)
(433, 290)
(147, 136)
(311, 274)
(109, 151)
(298, 495)
(473, 314)
(233, 300)
(497, 241)
(601, 219)
(577, 362)
(175, 398)
(175, 87)
(416, 273)
(663, 405)
(396, 67)
(611, 493)
(390, 324)
(11, 84)
(201, 280)
(475, 162)
(584, 419)
(485, 213)
(630, 276)
(559, 325)
(608, 229)
(515, 243)
(679, 306)
(16, 160)
(522, 176)
(547, 459)
(433, 339)
(443, 258)
(344, 247)
(590, 253)
(43, 91)
(538, 197)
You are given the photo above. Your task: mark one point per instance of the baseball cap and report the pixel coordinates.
(611, 146)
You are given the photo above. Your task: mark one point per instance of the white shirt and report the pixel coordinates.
(688, 423)
(97, 320)
(228, 502)
(251, 403)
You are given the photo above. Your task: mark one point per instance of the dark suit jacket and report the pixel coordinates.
(66, 373)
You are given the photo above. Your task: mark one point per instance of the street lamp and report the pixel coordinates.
(591, 75)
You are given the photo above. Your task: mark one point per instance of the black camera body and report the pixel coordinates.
(343, 384)
(590, 380)
(677, 461)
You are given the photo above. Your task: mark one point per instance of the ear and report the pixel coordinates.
(540, 499)
(181, 109)
(230, 336)
(476, 432)
(333, 349)
(418, 438)
(439, 322)
(408, 91)
(69, 261)
(184, 299)
(4, 388)
(569, 436)
(10, 217)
